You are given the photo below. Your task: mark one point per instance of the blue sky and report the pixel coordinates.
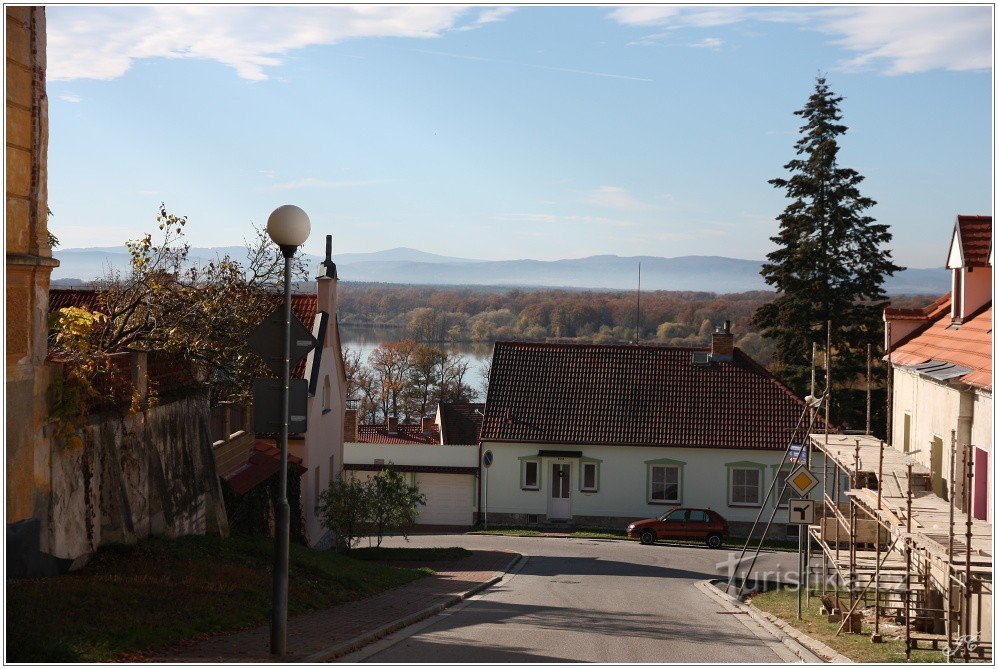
(509, 132)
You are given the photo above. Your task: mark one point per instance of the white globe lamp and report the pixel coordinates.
(288, 226)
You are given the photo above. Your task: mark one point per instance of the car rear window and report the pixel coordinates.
(698, 516)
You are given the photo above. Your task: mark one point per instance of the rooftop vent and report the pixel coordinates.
(701, 358)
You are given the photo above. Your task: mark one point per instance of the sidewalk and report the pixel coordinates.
(324, 634)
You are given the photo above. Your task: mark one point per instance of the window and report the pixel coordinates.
(326, 394)
(785, 492)
(699, 516)
(530, 475)
(746, 486)
(664, 483)
(590, 477)
(677, 516)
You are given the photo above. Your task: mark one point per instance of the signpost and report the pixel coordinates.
(486, 462)
(801, 481)
(267, 405)
(801, 512)
(267, 340)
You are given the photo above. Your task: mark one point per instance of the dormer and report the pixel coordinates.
(970, 260)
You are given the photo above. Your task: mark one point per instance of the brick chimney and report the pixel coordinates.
(722, 343)
(393, 425)
(350, 419)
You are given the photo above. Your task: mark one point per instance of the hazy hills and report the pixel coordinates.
(411, 266)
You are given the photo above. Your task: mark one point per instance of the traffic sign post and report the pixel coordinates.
(802, 481)
(267, 340)
(800, 512)
(486, 462)
(267, 405)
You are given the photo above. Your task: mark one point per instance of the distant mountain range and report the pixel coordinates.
(410, 266)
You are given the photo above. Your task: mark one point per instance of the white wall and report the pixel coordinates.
(623, 480)
(438, 455)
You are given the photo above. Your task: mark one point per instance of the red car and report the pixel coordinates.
(682, 523)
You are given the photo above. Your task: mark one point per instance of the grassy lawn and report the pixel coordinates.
(857, 647)
(384, 554)
(160, 592)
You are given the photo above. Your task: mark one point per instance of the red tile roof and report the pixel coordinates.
(263, 462)
(635, 395)
(304, 307)
(927, 313)
(60, 298)
(975, 239)
(461, 421)
(968, 345)
(405, 434)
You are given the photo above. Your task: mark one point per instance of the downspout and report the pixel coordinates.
(964, 425)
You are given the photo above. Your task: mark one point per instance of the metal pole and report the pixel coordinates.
(949, 551)
(282, 532)
(876, 638)
(852, 535)
(485, 518)
(828, 379)
(909, 546)
(869, 381)
(889, 428)
(967, 590)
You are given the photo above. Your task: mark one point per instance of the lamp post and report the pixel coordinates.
(288, 226)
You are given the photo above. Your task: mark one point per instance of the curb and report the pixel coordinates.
(359, 642)
(807, 648)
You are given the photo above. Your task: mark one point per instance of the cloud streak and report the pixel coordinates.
(104, 42)
(889, 40)
(312, 182)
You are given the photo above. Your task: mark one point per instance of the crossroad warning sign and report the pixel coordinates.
(802, 480)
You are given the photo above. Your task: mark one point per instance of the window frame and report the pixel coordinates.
(524, 461)
(664, 463)
(744, 465)
(597, 465)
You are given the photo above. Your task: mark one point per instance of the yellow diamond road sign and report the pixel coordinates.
(802, 480)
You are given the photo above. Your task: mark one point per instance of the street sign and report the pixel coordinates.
(801, 512)
(267, 340)
(802, 480)
(313, 361)
(798, 454)
(487, 459)
(267, 405)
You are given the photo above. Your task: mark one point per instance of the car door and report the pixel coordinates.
(674, 525)
(697, 524)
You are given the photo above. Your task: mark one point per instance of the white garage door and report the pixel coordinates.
(448, 499)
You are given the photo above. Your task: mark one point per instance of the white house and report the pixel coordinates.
(601, 435)
(940, 359)
(440, 456)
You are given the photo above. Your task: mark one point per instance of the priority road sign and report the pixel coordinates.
(267, 340)
(802, 480)
(801, 512)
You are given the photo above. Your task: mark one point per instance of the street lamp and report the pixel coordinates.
(288, 226)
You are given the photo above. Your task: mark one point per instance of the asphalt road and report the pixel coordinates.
(585, 600)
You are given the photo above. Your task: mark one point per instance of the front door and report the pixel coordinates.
(560, 502)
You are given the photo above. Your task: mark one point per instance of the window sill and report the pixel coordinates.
(672, 502)
(751, 505)
(529, 489)
(325, 411)
(593, 490)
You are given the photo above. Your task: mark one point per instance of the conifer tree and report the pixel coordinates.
(830, 264)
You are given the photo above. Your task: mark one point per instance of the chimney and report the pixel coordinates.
(722, 343)
(427, 425)
(325, 287)
(351, 418)
(393, 425)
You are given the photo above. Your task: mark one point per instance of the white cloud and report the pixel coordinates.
(312, 182)
(890, 39)
(71, 98)
(615, 197)
(104, 42)
(487, 16)
(559, 218)
(914, 39)
(713, 43)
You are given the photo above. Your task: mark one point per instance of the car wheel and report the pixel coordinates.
(648, 536)
(714, 541)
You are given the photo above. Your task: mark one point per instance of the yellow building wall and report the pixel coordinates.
(29, 262)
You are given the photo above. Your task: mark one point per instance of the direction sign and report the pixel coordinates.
(487, 459)
(267, 405)
(798, 454)
(802, 480)
(801, 512)
(267, 340)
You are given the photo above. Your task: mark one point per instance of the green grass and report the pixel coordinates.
(857, 647)
(160, 592)
(382, 554)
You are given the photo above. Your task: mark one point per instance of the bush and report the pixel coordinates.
(344, 508)
(393, 503)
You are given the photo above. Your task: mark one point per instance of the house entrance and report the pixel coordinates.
(560, 502)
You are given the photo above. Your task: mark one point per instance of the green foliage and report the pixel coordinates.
(830, 263)
(344, 508)
(394, 503)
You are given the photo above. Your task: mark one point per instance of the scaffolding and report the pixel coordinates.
(889, 543)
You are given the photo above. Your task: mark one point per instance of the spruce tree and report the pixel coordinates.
(830, 264)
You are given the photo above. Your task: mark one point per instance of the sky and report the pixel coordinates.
(510, 132)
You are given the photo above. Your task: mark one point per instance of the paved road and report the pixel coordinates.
(583, 600)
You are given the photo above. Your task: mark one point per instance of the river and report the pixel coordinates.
(365, 338)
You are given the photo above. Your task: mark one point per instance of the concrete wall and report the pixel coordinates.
(136, 475)
(412, 454)
(623, 482)
(29, 264)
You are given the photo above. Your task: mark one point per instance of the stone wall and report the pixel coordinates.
(137, 475)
